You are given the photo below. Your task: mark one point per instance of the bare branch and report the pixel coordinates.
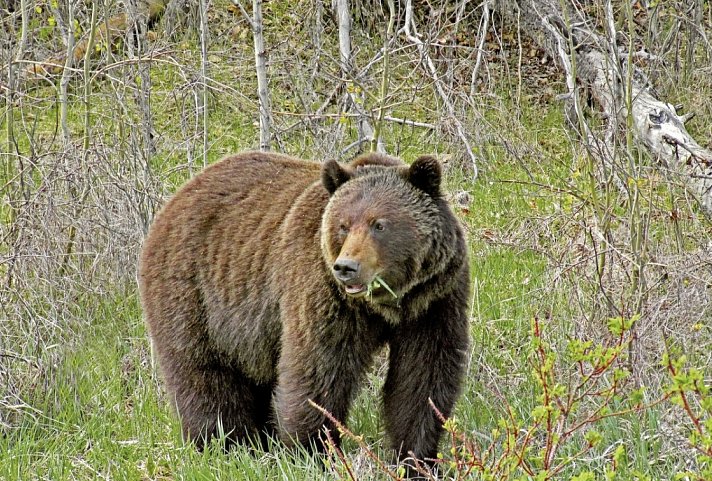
(87, 80)
(66, 74)
(412, 35)
(480, 45)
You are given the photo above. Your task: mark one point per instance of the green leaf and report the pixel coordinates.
(386, 286)
(636, 397)
(539, 412)
(619, 456)
(593, 437)
(584, 476)
(542, 475)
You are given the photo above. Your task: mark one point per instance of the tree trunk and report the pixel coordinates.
(619, 88)
(261, 67)
(203, 110)
(352, 99)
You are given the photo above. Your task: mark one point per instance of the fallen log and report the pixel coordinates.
(593, 60)
(108, 31)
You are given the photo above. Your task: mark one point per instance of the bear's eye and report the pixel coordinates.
(343, 229)
(379, 225)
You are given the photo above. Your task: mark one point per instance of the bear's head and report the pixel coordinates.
(379, 226)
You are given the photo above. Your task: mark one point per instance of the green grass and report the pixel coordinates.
(100, 412)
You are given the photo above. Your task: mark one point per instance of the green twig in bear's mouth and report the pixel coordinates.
(376, 283)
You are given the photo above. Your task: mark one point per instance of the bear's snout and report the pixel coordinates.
(346, 270)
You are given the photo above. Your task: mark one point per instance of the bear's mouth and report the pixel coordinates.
(355, 289)
(377, 288)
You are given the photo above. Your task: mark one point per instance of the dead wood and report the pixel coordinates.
(108, 31)
(592, 60)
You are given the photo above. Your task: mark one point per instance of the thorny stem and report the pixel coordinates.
(552, 444)
(543, 377)
(339, 454)
(688, 409)
(344, 430)
(622, 412)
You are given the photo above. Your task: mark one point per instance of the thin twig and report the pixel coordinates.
(480, 46)
(413, 36)
(87, 80)
(66, 75)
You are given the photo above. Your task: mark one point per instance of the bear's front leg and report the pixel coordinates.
(428, 360)
(322, 361)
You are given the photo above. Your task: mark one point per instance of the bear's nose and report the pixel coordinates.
(346, 269)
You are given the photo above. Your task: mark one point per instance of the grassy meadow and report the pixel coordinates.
(590, 321)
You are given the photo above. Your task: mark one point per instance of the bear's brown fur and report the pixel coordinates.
(255, 280)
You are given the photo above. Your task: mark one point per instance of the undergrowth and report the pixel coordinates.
(579, 389)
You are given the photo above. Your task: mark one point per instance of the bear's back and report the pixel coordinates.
(206, 266)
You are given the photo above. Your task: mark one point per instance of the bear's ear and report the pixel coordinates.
(334, 174)
(425, 174)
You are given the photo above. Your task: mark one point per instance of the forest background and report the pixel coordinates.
(586, 206)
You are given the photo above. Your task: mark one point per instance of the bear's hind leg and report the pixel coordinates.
(216, 401)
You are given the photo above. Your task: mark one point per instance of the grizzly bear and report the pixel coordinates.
(268, 282)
